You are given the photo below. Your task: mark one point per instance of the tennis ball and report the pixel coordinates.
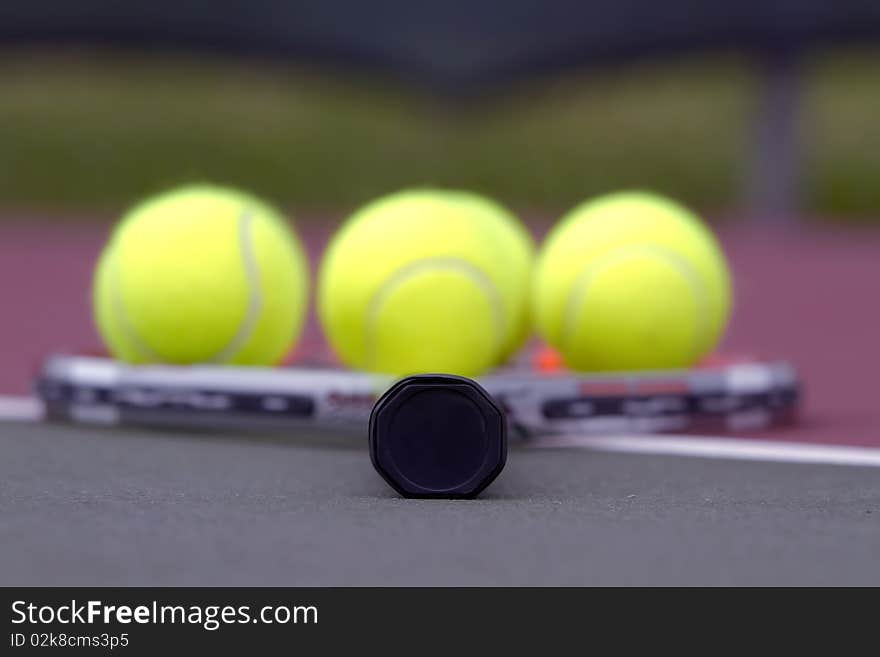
(631, 280)
(414, 282)
(515, 249)
(201, 274)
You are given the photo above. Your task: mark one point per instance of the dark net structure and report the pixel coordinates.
(450, 43)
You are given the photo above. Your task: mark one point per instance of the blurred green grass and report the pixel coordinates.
(92, 131)
(842, 135)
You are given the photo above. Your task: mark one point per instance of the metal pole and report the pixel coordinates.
(774, 175)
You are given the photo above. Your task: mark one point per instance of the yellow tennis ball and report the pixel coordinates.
(413, 282)
(515, 249)
(631, 280)
(201, 274)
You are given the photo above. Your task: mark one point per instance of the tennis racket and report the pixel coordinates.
(731, 398)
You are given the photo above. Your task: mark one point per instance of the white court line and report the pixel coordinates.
(720, 448)
(21, 409)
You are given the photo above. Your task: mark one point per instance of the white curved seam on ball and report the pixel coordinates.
(129, 332)
(581, 285)
(483, 281)
(254, 293)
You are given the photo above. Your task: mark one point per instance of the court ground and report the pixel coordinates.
(108, 507)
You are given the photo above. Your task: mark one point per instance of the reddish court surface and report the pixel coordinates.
(808, 295)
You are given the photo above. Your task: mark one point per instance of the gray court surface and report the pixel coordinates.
(110, 507)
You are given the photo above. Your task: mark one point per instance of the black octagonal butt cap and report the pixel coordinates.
(438, 435)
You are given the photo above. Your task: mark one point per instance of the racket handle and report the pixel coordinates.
(438, 435)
